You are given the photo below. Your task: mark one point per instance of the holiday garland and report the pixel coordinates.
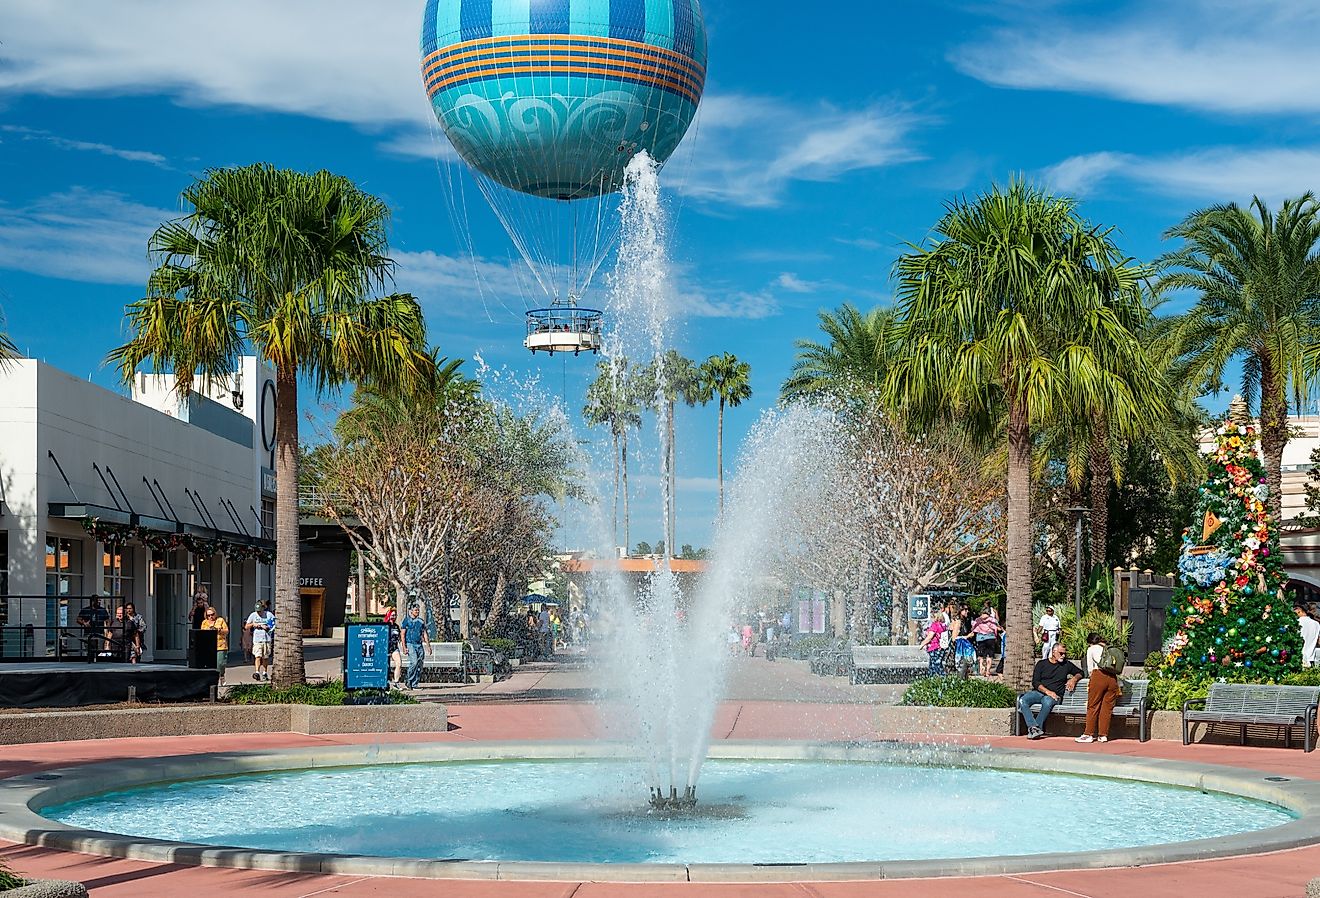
(119, 534)
(1230, 612)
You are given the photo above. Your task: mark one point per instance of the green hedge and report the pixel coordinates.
(955, 692)
(804, 646)
(330, 693)
(504, 646)
(1169, 693)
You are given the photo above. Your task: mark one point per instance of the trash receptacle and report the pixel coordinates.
(201, 649)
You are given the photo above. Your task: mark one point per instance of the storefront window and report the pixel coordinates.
(266, 583)
(63, 566)
(4, 562)
(267, 518)
(117, 572)
(234, 588)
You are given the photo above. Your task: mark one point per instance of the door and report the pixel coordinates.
(171, 617)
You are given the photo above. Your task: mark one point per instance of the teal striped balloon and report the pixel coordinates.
(554, 97)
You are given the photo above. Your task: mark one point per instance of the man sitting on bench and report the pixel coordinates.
(1051, 678)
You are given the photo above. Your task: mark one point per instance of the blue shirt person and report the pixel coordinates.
(417, 643)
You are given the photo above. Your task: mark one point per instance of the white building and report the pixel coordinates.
(181, 493)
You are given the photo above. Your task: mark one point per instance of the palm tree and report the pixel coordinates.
(855, 358)
(727, 378)
(279, 263)
(8, 349)
(1015, 313)
(669, 378)
(612, 401)
(1258, 279)
(380, 406)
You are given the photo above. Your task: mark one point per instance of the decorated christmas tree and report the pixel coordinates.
(1232, 617)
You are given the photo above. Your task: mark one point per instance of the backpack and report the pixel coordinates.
(1112, 660)
(944, 639)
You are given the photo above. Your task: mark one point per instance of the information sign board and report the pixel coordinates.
(366, 656)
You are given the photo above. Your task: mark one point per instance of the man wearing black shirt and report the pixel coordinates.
(1052, 677)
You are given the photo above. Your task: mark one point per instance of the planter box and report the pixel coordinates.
(212, 720)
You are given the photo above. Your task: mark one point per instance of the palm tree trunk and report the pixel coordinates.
(719, 454)
(673, 484)
(614, 526)
(1021, 656)
(627, 521)
(288, 600)
(1102, 471)
(497, 603)
(1273, 435)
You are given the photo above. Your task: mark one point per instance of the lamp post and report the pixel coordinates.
(1079, 512)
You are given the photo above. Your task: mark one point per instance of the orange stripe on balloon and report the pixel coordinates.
(481, 74)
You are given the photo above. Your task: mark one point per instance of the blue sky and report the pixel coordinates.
(824, 143)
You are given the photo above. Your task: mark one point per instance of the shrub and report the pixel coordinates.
(9, 879)
(1169, 693)
(1154, 663)
(329, 693)
(504, 646)
(955, 692)
(803, 647)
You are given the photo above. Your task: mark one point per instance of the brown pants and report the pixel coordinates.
(1101, 696)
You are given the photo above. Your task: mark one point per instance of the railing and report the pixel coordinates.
(568, 319)
(28, 642)
(60, 628)
(313, 498)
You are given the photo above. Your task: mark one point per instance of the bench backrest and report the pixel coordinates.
(1256, 698)
(881, 654)
(1133, 692)
(446, 653)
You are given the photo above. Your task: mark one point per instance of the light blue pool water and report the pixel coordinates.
(591, 811)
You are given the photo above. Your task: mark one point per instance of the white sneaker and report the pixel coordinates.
(1085, 737)
(1102, 739)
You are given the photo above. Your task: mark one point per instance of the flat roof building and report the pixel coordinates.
(143, 498)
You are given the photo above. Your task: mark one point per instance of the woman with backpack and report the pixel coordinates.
(936, 644)
(1104, 663)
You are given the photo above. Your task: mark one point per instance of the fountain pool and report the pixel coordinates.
(768, 811)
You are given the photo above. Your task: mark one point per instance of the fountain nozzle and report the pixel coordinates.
(673, 802)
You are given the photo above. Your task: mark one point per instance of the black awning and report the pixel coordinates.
(81, 510)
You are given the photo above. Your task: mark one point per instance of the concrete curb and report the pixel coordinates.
(220, 719)
(23, 797)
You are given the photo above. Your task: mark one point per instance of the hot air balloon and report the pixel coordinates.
(547, 101)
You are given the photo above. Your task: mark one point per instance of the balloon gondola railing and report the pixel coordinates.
(563, 328)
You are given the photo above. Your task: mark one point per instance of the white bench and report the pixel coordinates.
(446, 656)
(890, 663)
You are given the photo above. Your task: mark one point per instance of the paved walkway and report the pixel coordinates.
(482, 716)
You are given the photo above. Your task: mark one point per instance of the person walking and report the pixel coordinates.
(1051, 678)
(201, 599)
(985, 637)
(1103, 666)
(936, 644)
(1048, 629)
(417, 643)
(138, 625)
(1310, 634)
(213, 621)
(396, 645)
(964, 650)
(748, 643)
(257, 624)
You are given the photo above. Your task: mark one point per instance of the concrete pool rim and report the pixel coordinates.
(23, 797)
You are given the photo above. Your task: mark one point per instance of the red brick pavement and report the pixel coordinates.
(1277, 875)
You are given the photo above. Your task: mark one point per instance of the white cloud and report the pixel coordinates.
(1213, 175)
(794, 284)
(1217, 55)
(80, 235)
(64, 143)
(335, 59)
(745, 150)
(354, 62)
